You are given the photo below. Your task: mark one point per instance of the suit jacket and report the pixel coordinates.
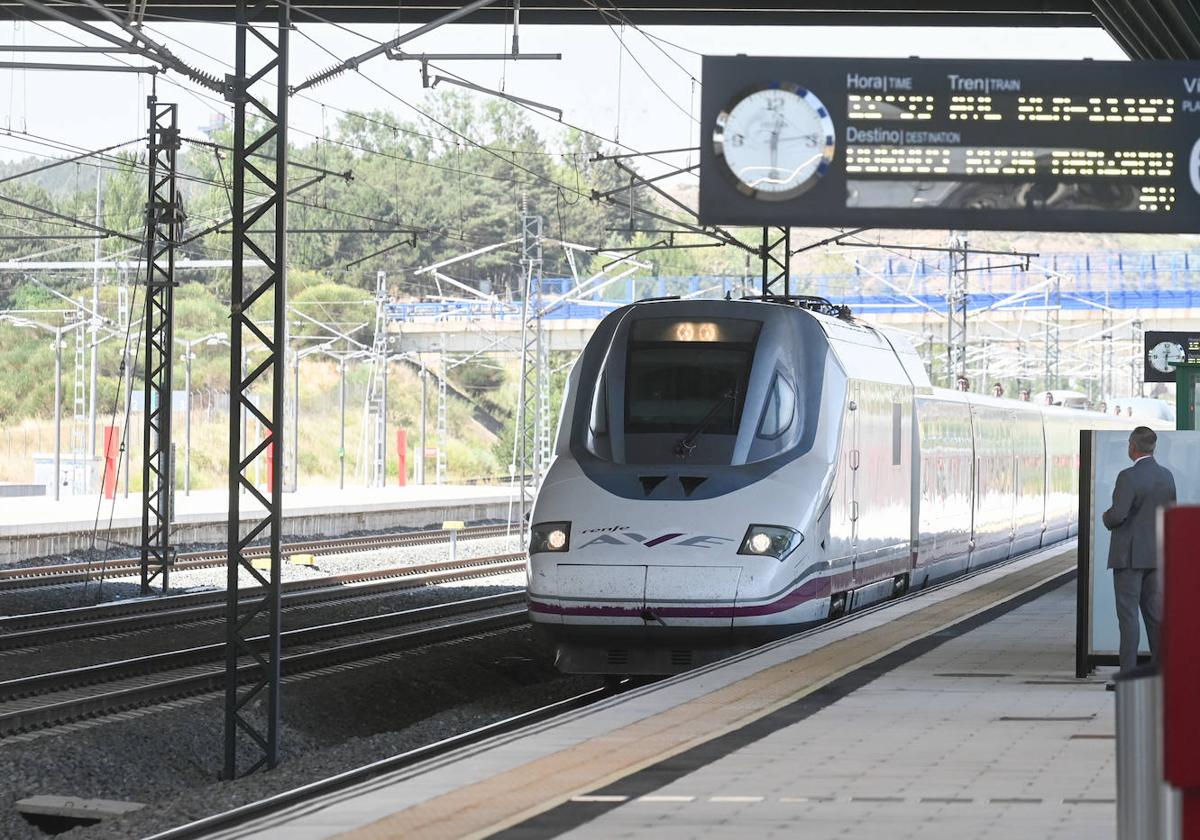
(1133, 518)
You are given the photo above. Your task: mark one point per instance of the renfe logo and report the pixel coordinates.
(1194, 166)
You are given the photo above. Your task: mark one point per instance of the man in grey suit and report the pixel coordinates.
(1133, 552)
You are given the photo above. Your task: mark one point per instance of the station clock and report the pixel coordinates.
(1165, 355)
(774, 141)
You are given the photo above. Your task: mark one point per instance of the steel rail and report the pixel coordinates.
(66, 696)
(39, 629)
(30, 576)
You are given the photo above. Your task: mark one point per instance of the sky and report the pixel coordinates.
(639, 87)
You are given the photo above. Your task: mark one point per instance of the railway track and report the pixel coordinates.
(123, 617)
(63, 697)
(31, 576)
(240, 821)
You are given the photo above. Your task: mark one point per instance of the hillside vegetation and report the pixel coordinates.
(357, 194)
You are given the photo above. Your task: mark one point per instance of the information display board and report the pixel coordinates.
(983, 145)
(1165, 351)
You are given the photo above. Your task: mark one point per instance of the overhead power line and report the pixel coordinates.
(383, 48)
(142, 45)
(498, 93)
(64, 161)
(91, 68)
(76, 222)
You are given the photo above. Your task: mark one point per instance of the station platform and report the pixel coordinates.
(39, 527)
(948, 714)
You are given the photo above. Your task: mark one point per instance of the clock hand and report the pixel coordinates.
(775, 132)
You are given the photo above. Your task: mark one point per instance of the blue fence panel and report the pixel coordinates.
(1141, 280)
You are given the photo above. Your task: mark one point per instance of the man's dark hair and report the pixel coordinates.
(1144, 439)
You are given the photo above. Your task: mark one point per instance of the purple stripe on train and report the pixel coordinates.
(810, 590)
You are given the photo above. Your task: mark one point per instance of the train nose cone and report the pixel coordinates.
(691, 595)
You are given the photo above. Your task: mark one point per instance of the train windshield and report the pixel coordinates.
(687, 376)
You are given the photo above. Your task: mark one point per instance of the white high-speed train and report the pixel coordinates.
(727, 472)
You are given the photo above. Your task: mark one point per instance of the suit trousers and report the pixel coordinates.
(1136, 588)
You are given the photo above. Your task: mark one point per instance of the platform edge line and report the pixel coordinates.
(758, 714)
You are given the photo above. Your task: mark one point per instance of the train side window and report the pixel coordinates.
(897, 426)
(599, 419)
(780, 409)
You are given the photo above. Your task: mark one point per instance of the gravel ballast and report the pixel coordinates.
(332, 723)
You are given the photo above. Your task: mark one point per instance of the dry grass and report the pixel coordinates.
(469, 449)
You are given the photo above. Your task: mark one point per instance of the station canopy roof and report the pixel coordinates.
(1145, 29)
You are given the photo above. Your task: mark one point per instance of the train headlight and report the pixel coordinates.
(759, 543)
(550, 536)
(770, 541)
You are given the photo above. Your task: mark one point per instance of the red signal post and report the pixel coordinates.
(112, 454)
(1180, 658)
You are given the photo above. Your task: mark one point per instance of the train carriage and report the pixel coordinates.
(727, 472)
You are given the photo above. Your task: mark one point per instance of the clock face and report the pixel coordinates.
(1165, 355)
(775, 141)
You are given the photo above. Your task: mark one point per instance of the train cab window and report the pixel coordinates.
(780, 409)
(681, 375)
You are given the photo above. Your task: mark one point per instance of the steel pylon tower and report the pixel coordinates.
(123, 299)
(79, 466)
(376, 413)
(164, 223)
(123, 320)
(1136, 339)
(776, 256)
(1106, 356)
(443, 417)
(259, 313)
(1053, 331)
(956, 311)
(528, 461)
(545, 414)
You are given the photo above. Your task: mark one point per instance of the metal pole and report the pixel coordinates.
(424, 397)
(126, 448)
(383, 423)
(1140, 794)
(766, 250)
(342, 423)
(950, 371)
(57, 411)
(274, 673)
(296, 416)
(164, 220)
(242, 409)
(187, 420)
(963, 346)
(91, 441)
(170, 503)
(252, 706)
